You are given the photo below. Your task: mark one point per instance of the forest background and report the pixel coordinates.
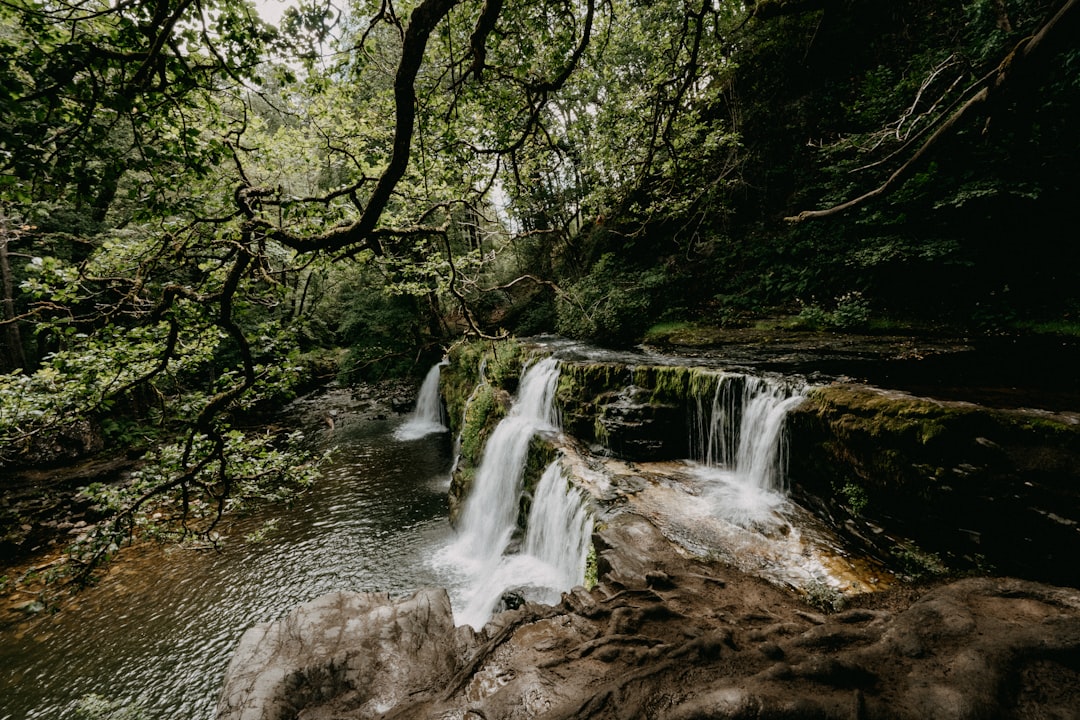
(202, 215)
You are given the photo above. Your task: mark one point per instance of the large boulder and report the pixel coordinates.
(974, 484)
(365, 652)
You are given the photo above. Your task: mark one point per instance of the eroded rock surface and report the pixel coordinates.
(364, 652)
(668, 637)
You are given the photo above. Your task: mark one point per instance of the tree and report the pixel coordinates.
(156, 125)
(1023, 61)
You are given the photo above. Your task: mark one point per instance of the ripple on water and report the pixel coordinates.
(159, 629)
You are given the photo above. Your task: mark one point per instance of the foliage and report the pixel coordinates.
(381, 330)
(854, 496)
(614, 303)
(193, 205)
(918, 563)
(850, 312)
(591, 571)
(824, 597)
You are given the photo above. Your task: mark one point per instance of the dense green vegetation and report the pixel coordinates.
(201, 214)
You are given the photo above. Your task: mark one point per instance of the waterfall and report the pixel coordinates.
(738, 435)
(552, 555)
(559, 528)
(489, 514)
(551, 559)
(427, 417)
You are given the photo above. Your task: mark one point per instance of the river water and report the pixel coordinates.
(156, 634)
(158, 631)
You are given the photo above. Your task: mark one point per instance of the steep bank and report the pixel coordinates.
(985, 488)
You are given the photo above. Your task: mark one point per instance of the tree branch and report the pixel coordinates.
(1016, 64)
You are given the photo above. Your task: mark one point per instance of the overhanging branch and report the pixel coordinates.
(1018, 63)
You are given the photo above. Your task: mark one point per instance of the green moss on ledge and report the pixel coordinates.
(963, 481)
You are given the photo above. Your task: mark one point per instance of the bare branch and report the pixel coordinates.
(1018, 62)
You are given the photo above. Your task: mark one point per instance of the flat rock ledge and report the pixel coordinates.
(672, 638)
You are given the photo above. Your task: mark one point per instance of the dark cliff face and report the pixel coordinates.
(975, 485)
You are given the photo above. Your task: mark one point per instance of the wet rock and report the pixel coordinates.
(368, 649)
(512, 600)
(59, 445)
(636, 427)
(976, 648)
(967, 483)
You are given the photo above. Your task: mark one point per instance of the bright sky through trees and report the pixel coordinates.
(272, 10)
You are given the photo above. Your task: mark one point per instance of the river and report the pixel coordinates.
(156, 634)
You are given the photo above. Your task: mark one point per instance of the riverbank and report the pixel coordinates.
(153, 633)
(671, 638)
(43, 510)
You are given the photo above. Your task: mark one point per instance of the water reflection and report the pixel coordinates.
(158, 631)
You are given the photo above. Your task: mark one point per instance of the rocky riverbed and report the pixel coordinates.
(664, 636)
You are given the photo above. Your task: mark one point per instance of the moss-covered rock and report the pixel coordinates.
(472, 387)
(541, 454)
(478, 386)
(637, 412)
(967, 482)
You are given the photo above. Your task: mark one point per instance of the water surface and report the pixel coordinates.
(158, 631)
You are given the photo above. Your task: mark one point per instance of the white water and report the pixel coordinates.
(427, 417)
(552, 555)
(739, 438)
(560, 527)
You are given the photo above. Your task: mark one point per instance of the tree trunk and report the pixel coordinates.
(13, 357)
(1020, 63)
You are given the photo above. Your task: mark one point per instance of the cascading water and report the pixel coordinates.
(559, 528)
(489, 514)
(552, 558)
(427, 417)
(739, 438)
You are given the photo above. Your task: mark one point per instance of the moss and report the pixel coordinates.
(477, 363)
(582, 390)
(480, 416)
(957, 478)
(587, 384)
(854, 495)
(667, 385)
(703, 383)
(477, 387)
(577, 381)
(917, 563)
(685, 334)
(591, 573)
(853, 411)
(504, 362)
(541, 455)
(824, 597)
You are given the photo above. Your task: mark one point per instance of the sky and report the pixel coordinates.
(272, 10)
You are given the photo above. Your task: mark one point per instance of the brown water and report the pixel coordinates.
(158, 631)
